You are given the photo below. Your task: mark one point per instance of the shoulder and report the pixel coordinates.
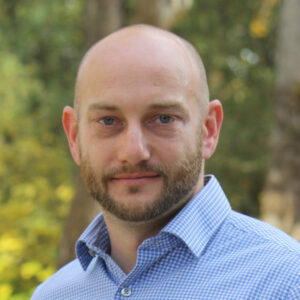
(270, 255)
(263, 233)
(54, 286)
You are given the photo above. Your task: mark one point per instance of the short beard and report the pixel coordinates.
(179, 182)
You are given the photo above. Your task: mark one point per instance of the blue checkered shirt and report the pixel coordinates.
(207, 251)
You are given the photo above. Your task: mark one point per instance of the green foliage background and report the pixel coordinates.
(41, 45)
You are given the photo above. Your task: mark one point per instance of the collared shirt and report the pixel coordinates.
(207, 251)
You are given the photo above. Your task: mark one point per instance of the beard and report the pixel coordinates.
(179, 181)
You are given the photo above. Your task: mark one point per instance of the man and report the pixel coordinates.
(140, 130)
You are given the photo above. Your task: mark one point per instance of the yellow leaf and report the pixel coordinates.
(259, 28)
(5, 291)
(65, 193)
(30, 269)
(10, 243)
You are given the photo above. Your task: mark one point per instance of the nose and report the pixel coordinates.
(133, 147)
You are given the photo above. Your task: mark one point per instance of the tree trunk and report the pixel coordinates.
(101, 18)
(280, 202)
(161, 13)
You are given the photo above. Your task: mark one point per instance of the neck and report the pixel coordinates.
(126, 237)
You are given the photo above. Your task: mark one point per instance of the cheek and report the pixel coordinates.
(169, 151)
(102, 152)
(188, 145)
(95, 150)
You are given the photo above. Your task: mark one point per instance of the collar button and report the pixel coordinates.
(92, 253)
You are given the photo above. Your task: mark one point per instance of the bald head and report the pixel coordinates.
(136, 46)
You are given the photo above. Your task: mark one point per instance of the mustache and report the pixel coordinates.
(143, 167)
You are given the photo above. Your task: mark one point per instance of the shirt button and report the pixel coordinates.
(91, 253)
(126, 292)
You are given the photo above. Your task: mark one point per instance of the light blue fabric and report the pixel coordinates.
(207, 251)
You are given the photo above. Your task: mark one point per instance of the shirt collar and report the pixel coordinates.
(195, 224)
(93, 240)
(198, 221)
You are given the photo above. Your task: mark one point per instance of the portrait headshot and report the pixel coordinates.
(149, 149)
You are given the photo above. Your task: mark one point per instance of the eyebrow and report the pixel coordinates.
(102, 106)
(171, 106)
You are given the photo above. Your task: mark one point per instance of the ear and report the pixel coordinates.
(70, 124)
(212, 126)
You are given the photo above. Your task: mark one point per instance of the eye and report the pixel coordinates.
(107, 121)
(164, 119)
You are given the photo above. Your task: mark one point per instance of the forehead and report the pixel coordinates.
(135, 65)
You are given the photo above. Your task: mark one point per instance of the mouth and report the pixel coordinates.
(136, 179)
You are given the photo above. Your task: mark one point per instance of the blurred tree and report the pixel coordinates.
(35, 187)
(280, 201)
(101, 18)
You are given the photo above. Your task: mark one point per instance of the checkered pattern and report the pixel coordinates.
(207, 251)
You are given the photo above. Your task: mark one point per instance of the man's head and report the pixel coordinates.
(142, 124)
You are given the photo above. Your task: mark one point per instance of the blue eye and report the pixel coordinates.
(165, 119)
(107, 121)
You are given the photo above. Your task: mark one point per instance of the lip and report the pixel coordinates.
(140, 178)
